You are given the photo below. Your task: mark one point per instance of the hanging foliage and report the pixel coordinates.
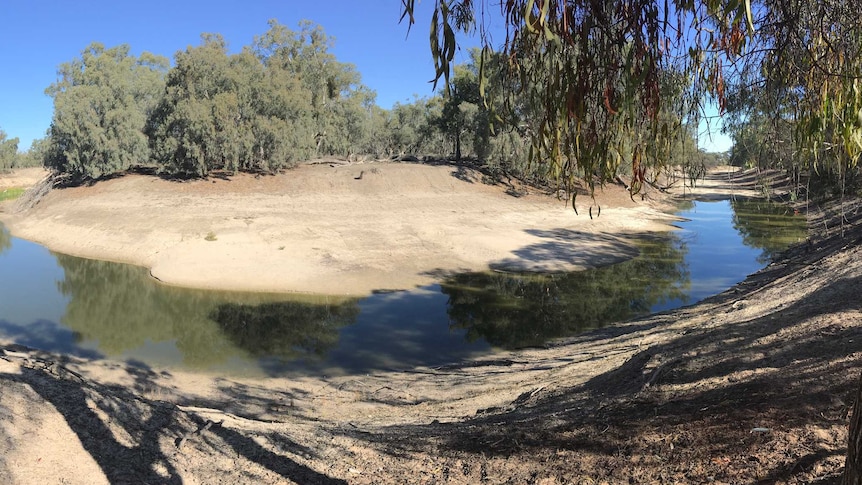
(599, 73)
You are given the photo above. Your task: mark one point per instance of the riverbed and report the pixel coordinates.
(97, 309)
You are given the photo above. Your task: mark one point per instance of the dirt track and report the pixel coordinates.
(751, 386)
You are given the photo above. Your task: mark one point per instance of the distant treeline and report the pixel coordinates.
(281, 100)
(10, 158)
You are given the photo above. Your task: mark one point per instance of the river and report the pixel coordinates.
(99, 309)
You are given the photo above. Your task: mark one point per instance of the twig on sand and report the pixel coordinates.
(526, 396)
(654, 375)
(198, 431)
(55, 367)
(31, 361)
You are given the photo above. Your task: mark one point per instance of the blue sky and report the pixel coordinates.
(709, 133)
(38, 35)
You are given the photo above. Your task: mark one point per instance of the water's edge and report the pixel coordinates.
(96, 309)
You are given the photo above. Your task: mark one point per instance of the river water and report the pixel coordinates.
(99, 309)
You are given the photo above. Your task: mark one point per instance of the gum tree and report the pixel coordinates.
(340, 105)
(284, 98)
(101, 103)
(8, 151)
(203, 122)
(596, 73)
(593, 73)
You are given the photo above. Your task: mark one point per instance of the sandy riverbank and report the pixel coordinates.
(25, 177)
(750, 386)
(336, 229)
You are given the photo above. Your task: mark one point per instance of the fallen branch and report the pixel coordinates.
(196, 432)
(525, 396)
(654, 375)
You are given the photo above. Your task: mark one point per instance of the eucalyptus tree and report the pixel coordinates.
(414, 127)
(461, 113)
(796, 103)
(283, 125)
(8, 151)
(508, 118)
(809, 77)
(764, 142)
(229, 112)
(101, 103)
(348, 118)
(375, 140)
(592, 72)
(35, 155)
(200, 126)
(340, 105)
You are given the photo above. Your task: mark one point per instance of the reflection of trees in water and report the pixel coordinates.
(288, 330)
(5, 239)
(768, 226)
(122, 308)
(514, 311)
(684, 205)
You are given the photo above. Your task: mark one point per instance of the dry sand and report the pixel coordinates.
(334, 229)
(25, 177)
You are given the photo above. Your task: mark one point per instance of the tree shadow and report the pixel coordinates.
(144, 379)
(705, 387)
(80, 406)
(252, 402)
(754, 337)
(45, 334)
(726, 183)
(466, 174)
(278, 464)
(131, 437)
(562, 249)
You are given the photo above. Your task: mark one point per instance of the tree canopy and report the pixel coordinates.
(285, 98)
(8, 151)
(101, 104)
(613, 82)
(281, 99)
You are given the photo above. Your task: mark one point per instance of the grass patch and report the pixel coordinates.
(210, 236)
(11, 193)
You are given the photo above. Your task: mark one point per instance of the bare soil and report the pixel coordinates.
(25, 177)
(750, 386)
(332, 228)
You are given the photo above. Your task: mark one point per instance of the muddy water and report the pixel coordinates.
(100, 309)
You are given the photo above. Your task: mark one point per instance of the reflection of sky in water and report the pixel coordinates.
(30, 305)
(716, 257)
(383, 331)
(28, 284)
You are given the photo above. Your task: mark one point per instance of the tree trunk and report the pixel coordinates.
(458, 147)
(853, 465)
